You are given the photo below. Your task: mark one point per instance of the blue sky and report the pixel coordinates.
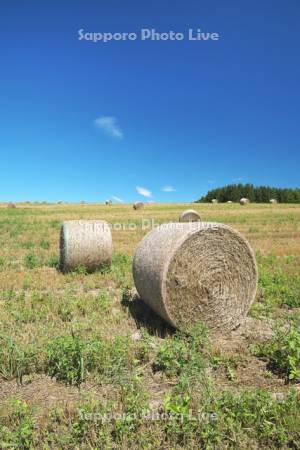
(88, 121)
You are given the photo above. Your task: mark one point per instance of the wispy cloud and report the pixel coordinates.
(168, 189)
(239, 179)
(118, 199)
(143, 191)
(108, 124)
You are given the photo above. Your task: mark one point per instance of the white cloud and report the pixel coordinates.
(168, 189)
(143, 191)
(118, 199)
(239, 179)
(108, 124)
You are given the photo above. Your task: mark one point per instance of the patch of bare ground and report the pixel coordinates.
(239, 369)
(44, 394)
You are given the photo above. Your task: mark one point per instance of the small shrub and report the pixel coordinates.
(65, 359)
(80, 270)
(182, 352)
(44, 244)
(31, 260)
(17, 431)
(283, 352)
(70, 358)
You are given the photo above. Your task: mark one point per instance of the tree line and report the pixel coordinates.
(257, 194)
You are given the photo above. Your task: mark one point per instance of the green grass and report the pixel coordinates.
(182, 352)
(283, 353)
(278, 285)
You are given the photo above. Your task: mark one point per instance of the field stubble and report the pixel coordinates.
(84, 342)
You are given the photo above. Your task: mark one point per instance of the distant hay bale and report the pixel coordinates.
(214, 200)
(189, 215)
(229, 201)
(85, 243)
(273, 200)
(11, 205)
(108, 202)
(244, 201)
(138, 205)
(188, 272)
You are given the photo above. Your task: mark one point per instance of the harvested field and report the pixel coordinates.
(81, 343)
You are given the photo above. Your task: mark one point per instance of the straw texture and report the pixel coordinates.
(196, 271)
(85, 242)
(138, 205)
(189, 215)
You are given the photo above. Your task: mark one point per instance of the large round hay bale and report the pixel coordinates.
(85, 243)
(273, 201)
(244, 201)
(11, 205)
(189, 215)
(188, 272)
(214, 200)
(138, 205)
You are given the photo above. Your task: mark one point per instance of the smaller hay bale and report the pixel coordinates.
(244, 201)
(229, 201)
(108, 202)
(11, 205)
(189, 215)
(214, 200)
(138, 205)
(273, 200)
(85, 243)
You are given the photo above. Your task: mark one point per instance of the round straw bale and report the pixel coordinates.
(189, 215)
(273, 200)
(214, 200)
(138, 205)
(188, 272)
(244, 201)
(85, 243)
(11, 205)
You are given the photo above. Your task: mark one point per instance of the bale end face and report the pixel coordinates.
(190, 215)
(138, 205)
(205, 273)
